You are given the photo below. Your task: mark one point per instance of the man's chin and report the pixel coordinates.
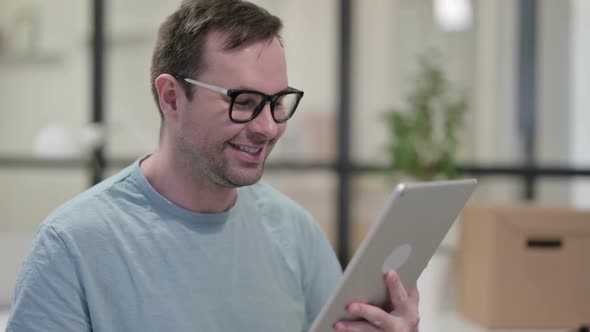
(244, 178)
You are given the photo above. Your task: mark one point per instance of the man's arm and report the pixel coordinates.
(49, 295)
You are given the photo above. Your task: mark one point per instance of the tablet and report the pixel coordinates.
(415, 219)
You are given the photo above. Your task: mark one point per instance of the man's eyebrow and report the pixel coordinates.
(285, 89)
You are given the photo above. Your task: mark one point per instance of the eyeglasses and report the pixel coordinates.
(245, 105)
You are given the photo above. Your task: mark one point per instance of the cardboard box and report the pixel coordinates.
(524, 266)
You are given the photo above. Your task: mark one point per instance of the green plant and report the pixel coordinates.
(424, 134)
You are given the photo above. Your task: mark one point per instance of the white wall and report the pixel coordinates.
(553, 85)
(47, 84)
(579, 97)
(388, 34)
(388, 38)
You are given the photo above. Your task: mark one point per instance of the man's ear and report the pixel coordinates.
(169, 92)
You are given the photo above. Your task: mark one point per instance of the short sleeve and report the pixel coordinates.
(49, 295)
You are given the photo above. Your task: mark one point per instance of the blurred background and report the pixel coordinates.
(76, 107)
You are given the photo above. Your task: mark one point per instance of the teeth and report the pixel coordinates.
(248, 149)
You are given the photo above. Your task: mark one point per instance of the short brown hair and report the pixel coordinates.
(179, 46)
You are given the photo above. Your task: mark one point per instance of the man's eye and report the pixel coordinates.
(246, 101)
(243, 102)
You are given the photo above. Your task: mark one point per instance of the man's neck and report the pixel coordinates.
(173, 181)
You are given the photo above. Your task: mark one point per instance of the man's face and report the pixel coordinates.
(216, 149)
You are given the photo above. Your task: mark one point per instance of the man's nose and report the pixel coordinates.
(264, 124)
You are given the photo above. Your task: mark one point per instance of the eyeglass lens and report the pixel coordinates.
(247, 103)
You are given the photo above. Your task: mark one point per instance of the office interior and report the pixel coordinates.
(77, 107)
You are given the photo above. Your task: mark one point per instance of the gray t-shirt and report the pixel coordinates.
(120, 257)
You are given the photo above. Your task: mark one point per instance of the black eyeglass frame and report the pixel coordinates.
(234, 93)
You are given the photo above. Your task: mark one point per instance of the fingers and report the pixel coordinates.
(397, 292)
(403, 318)
(348, 326)
(374, 315)
(376, 319)
(414, 296)
(404, 305)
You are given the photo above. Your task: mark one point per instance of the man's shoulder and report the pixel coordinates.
(92, 204)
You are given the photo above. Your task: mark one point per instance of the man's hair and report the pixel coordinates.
(180, 44)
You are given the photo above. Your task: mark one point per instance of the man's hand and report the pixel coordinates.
(403, 318)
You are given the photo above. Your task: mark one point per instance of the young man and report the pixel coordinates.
(186, 239)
